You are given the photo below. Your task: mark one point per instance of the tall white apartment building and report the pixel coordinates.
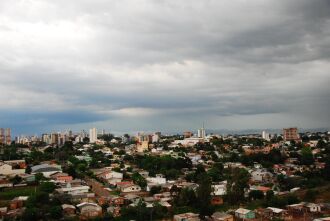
(201, 132)
(265, 135)
(92, 135)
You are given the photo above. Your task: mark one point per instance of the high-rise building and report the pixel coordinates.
(92, 135)
(265, 135)
(155, 138)
(141, 137)
(201, 132)
(83, 134)
(290, 134)
(46, 138)
(5, 136)
(54, 138)
(2, 136)
(8, 135)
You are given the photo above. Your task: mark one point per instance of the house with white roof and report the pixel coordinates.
(46, 169)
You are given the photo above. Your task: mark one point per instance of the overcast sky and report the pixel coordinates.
(146, 65)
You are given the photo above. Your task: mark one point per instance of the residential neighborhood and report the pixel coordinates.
(220, 177)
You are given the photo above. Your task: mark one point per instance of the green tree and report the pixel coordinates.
(306, 156)
(256, 195)
(269, 195)
(155, 189)
(216, 172)
(236, 183)
(39, 177)
(42, 198)
(47, 187)
(310, 195)
(199, 170)
(55, 212)
(28, 169)
(326, 170)
(139, 180)
(16, 179)
(30, 214)
(203, 193)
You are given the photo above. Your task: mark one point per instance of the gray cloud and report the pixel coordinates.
(169, 65)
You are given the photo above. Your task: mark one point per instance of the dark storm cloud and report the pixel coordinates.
(165, 64)
(27, 118)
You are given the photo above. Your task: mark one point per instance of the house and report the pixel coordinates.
(261, 176)
(277, 213)
(144, 173)
(9, 170)
(17, 202)
(115, 211)
(129, 188)
(15, 213)
(61, 177)
(186, 217)
(4, 182)
(68, 210)
(263, 189)
(242, 213)
(313, 207)
(132, 198)
(322, 219)
(233, 165)
(218, 216)
(216, 200)
(164, 197)
(17, 164)
(46, 169)
(29, 178)
(296, 209)
(159, 179)
(3, 211)
(111, 175)
(73, 190)
(124, 183)
(89, 210)
(82, 197)
(86, 158)
(188, 185)
(117, 200)
(220, 189)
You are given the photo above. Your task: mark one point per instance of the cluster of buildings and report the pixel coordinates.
(5, 136)
(110, 188)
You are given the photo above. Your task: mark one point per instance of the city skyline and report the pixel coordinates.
(164, 65)
(194, 132)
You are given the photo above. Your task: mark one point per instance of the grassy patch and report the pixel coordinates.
(10, 193)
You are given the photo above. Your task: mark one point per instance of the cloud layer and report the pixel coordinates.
(164, 65)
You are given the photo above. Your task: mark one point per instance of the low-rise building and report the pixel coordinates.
(186, 217)
(46, 169)
(89, 210)
(68, 210)
(220, 189)
(218, 216)
(9, 170)
(242, 213)
(129, 188)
